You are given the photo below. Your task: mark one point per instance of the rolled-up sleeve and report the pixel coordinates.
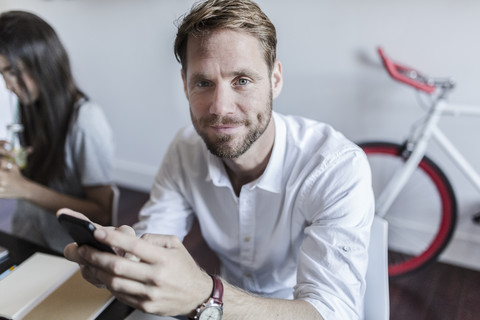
(167, 211)
(338, 204)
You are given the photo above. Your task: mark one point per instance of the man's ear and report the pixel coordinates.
(277, 79)
(184, 79)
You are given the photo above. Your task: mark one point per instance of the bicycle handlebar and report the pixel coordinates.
(405, 74)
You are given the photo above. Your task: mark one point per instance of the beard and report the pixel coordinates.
(223, 145)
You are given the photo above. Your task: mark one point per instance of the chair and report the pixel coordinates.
(377, 300)
(114, 203)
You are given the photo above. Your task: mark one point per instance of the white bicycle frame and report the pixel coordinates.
(418, 148)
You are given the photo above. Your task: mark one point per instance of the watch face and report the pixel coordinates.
(211, 313)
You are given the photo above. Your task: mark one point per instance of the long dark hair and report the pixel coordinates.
(28, 40)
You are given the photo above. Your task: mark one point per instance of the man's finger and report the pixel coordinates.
(148, 248)
(72, 213)
(71, 253)
(107, 266)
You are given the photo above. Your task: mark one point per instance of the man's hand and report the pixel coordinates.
(161, 278)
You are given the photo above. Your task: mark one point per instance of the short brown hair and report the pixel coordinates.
(239, 15)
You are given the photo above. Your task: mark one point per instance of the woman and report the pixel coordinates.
(69, 162)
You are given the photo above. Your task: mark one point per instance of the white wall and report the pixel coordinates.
(122, 56)
(8, 102)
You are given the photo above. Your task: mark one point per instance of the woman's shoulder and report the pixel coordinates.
(89, 117)
(88, 114)
(87, 109)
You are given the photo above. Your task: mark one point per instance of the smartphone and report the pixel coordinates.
(82, 232)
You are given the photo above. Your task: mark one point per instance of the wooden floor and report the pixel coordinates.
(439, 292)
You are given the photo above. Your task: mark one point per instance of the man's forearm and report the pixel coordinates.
(240, 305)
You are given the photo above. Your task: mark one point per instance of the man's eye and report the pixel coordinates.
(243, 81)
(203, 84)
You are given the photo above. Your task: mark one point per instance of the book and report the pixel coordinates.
(32, 281)
(74, 299)
(50, 287)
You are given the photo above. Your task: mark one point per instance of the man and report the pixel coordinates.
(285, 202)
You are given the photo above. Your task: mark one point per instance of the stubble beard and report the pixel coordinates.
(221, 145)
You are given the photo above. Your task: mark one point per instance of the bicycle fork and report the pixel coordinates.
(415, 150)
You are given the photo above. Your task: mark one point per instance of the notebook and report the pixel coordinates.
(50, 287)
(74, 299)
(32, 281)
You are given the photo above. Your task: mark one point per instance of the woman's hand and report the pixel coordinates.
(12, 182)
(5, 152)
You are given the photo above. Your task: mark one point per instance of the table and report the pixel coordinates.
(20, 250)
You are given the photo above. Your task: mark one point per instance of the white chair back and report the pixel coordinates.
(377, 299)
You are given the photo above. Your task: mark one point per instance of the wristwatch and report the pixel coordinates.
(212, 309)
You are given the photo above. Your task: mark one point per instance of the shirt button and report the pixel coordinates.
(346, 248)
(247, 274)
(246, 239)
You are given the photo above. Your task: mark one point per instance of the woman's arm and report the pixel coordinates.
(96, 205)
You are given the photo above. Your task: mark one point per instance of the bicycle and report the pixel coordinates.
(403, 173)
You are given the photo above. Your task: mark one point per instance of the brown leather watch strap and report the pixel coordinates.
(216, 297)
(217, 294)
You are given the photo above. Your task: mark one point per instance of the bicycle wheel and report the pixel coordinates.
(422, 218)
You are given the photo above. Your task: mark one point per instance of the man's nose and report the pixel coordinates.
(223, 100)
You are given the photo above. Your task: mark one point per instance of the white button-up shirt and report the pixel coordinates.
(301, 230)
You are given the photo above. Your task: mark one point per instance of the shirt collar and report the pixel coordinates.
(271, 179)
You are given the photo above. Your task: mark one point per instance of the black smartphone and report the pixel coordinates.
(82, 232)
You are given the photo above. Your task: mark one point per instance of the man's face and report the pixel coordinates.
(229, 88)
